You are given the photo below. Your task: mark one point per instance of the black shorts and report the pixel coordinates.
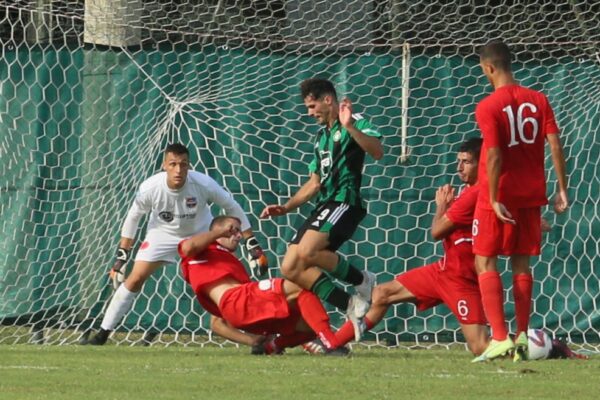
(339, 220)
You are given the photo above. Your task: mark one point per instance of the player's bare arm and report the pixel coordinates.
(369, 144)
(198, 243)
(441, 225)
(561, 200)
(303, 195)
(225, 330)
(494, 166)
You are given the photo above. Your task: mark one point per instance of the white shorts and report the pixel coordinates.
(159, 246)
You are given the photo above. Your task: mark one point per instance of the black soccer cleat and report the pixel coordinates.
(100, 338)
(341, 351)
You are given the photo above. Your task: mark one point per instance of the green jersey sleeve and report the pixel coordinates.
(365, 127)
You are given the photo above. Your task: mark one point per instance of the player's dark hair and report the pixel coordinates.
(177, 148)
(221, 219)
(472, 146)
(497, 53)
(317, 88)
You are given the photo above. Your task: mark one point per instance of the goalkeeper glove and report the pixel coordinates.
(256, 257)
(117, 272)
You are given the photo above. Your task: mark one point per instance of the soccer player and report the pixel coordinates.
(450, 280)
(515, 122)
(335, 176)
(267, 307)
(178, 201)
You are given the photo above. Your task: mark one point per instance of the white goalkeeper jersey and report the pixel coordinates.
(182, 212)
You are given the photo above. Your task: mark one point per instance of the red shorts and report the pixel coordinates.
(491, 237)
(432, 286)
(260, 308)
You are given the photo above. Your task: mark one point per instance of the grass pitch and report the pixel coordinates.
(120, 372)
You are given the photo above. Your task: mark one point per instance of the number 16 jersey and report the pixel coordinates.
(516, 120)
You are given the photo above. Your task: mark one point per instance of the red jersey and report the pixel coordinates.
(458, 245)
(216, 263)
(516, 120)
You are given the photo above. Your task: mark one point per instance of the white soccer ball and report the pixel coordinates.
(539, 344)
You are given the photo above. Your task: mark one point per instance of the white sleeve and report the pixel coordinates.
(225, 200)
(141, 206)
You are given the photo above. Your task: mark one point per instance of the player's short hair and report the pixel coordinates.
(317, 88)
(497, 53)
(472, 146)
(177, 148)
(221, 219)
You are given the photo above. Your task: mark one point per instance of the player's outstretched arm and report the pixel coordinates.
(370, 144)
(561, 201)
(303, 195)
(222, 328)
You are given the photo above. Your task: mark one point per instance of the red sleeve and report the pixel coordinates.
(487, 125)
(550, 126)
(462, 210)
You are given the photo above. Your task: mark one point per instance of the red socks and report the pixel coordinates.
(490, 286)
(346, 332)
(522, 288)
(316, 317)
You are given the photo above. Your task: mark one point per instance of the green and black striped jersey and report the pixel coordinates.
(339, 162)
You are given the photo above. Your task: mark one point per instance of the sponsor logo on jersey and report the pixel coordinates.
(191, 202)
(166, 216)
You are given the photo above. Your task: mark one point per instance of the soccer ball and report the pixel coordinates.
(539, 344)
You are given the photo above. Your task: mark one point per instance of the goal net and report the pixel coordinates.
(93, 90)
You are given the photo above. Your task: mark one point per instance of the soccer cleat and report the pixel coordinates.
(317, 347)
(496, 349)
(341, 351)
(365, 289)
(314, 347)
(359, 328)
(100, 338)
(357, 309)
(521, 344)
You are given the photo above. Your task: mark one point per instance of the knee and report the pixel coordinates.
(134, 283)
(289, 270)
(306, 254)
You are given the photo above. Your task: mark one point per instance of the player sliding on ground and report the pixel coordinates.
(335, 175)
(271, 306)
(178, 201)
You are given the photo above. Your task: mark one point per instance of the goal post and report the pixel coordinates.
(87, 105)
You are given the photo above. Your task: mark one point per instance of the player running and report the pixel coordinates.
(335, 176)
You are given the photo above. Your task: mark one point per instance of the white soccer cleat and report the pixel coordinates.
(357, 309)
(365, 289)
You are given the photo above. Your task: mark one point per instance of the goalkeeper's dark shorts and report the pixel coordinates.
(339, 220)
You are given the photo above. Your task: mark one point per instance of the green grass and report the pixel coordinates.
(120, 372)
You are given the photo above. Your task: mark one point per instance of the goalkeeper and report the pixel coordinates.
(178, 201)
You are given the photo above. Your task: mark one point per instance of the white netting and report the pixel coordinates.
(93, 90)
